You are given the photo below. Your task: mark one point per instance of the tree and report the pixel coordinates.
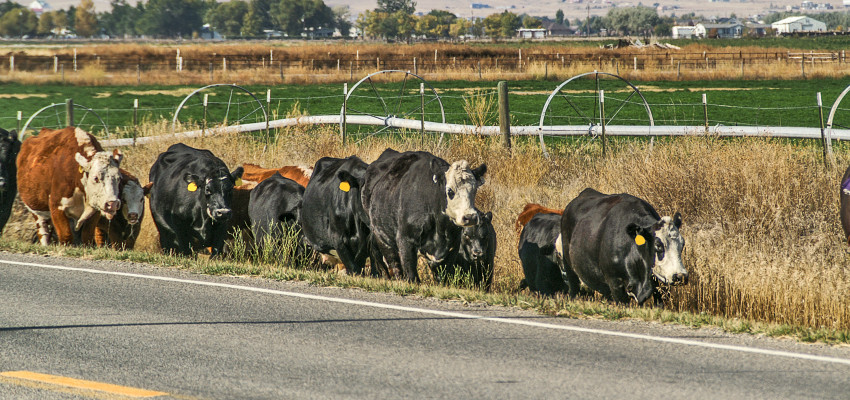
(85, 19)
(493, 26)
(121, 22)
(18, 22)
(257, 18)
(172, 18)
(295, 16)
(632, 20)
(227, 18)
(392, 6)
(460, 27)
(342, 15)
(531, 23)
(510, 22)
(52, 23)
(559, 16)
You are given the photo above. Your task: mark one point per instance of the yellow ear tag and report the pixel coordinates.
(81, 169)
(344, 186)
(639, 240)
(239, 182)
(192, 187)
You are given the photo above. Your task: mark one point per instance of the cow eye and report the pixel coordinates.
(96, 180)
(451, 194)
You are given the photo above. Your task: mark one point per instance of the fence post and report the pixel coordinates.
(479, 70)
(635, 63)
(62, 67)
(20, 117)
(415, 67)
(705, 111)
(602, 122)
(55, 64)
(75, 60)
(12, 64)
(268, 109)
(678, 70)
(138, 74)
(135, 119)
(69, 112)
(342, 131)
(504, 114)
(211, 72)
(204, 121)
(224, 64)
(826, 142)
(422, 108)
(803, 65)
(280, 65)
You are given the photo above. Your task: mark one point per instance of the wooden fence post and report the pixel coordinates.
(20, 118)
(135, 120)
(826, 142)
(422, 108)
(342, 130)
(705, 111)
(69, 112)
(268, 109)
(602, 122)
(504, 114)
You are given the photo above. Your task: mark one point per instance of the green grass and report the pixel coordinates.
(581, 307)
(731, 102)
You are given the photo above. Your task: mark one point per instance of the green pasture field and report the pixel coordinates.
(731, 102)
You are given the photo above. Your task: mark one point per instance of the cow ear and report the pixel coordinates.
(117, 156)
(147, 188)
(677, 220)
(83, 161)
(488, 216)
(191, 178)
(16, 144)
(345, 176)
(237, 173)
(479, 173)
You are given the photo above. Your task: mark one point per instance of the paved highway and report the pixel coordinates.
(74, 329)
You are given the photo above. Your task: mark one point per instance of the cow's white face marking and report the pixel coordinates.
(101, 179)
(461, 186)
(668, 248)
(133, 202)
(84, 141)
(559, 247)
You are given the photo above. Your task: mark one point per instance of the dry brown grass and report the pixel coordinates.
(761, 215)
(249, 63)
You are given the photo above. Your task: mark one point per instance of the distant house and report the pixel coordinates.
(531, 33)
(683, 32)
(38, 7)
(554, 29)
(798, 24)
(756, 29)
(721, 31)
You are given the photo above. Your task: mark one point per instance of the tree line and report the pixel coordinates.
(390, 20)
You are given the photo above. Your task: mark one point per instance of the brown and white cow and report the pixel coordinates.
(65, 179)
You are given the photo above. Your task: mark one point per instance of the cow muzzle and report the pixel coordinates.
(111, 208)
(469, 220)
(133, 218)
(680, 279)
(221, 213)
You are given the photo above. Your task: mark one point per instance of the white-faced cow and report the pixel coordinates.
(475, 257)
(9, 148)
(190, 199)
(122, 231)
(613, 242)
(332, 216)
(65, 179)
(275, 205)
(417, 203)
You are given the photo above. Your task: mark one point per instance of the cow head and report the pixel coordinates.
(461, 185)
(475, 238)
(9, 148)
(133, 198)
(215, 190)
(101, 181)
(668, 251)
(639, 263)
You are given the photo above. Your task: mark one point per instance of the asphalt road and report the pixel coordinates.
(194, 336)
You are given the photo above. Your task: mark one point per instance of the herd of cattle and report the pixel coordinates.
(389, 212)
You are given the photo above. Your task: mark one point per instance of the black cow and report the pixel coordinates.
(332, 218)
(9, 148)
(417, 203)
(475, 257)
(190, 199)
(844, 204)
(274, 206)
(612, 243)
(540, 256)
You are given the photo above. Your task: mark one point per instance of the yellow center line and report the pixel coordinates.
(82, 384)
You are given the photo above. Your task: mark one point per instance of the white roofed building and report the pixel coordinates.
(39, 6)
(798, 24)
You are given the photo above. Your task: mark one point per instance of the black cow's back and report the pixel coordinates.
(274, 204)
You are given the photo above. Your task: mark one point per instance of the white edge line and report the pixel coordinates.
(686, 342)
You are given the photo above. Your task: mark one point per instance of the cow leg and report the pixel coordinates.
(389, 258)
(44, 226)
(62, 226)
(376, 260)
(351, 265)
(569, 276)
(408, 256)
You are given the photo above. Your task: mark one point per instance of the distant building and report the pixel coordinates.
(531, 33)
(683, 32)
(720, 31)
(554, 29)
(798, 24)
(756, 29)
(39, 6)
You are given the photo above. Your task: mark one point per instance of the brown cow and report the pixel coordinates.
(256, 174)
(529, 211)
(122, 231)
(65, 179)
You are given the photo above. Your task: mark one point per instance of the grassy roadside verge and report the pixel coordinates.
(578, 308)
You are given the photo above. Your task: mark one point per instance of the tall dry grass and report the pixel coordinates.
(251, 63)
